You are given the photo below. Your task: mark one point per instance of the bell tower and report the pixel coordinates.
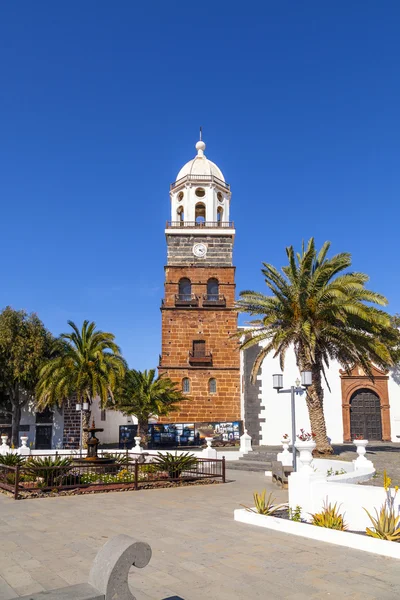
(198, 311)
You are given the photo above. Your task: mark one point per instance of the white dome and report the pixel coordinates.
(200, 165)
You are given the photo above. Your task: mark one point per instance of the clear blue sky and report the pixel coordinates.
(100, 104)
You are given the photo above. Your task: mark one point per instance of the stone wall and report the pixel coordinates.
(252, 396)
(202, 406)
(72, 426)
(215, 325)
(199, 277)
(219, 249)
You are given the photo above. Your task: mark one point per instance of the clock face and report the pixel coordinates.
(200, 250)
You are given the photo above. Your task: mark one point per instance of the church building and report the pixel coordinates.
(198, 310)
(199, 350)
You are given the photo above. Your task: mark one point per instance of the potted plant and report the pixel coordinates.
(305, 444)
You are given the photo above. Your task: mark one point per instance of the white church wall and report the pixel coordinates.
(113, 419)
(276, 407)
(394, 402)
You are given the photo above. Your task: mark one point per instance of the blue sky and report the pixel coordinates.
(100, 105)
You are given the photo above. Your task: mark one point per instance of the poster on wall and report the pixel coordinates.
(127, 436)
(192, 434)
(224, 432)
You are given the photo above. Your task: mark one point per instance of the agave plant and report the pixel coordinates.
(49, 470)
(12, 460)
(386, 524)
(329, 517)
(264, 506)
(175, 464)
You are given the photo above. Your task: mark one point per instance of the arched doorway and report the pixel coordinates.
(365, 415)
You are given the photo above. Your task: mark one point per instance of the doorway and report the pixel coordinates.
(365, 415)
(43, 437)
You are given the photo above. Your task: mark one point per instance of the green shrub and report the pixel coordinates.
(48, 471)
(174, 464)
(329, 517)
(12, 460)
(295, 514)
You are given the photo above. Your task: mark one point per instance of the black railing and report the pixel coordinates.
(129, 471)
(200, 225)
(200, 359)
(214, 300)
(186, 300)
(199, 178)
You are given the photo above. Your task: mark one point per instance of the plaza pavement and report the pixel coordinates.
(199, 552)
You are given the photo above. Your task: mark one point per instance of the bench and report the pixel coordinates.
(280, 474)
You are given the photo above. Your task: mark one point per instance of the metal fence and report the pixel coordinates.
(128, 471)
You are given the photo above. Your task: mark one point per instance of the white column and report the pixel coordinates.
(4, 448)
(24, 450)
(209, 451)
(245, 443)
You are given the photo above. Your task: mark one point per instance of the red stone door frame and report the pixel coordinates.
(357, 379)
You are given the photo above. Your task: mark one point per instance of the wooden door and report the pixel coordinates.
(365, 415)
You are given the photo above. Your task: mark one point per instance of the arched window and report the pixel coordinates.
(185, 289)
(212, 385)
(180, 214)
(212, 290)
(220, 215)
(186, 385)
(200, 213)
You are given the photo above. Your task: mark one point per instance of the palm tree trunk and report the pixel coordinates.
(85, 424)
(142, 430)
(315, 400)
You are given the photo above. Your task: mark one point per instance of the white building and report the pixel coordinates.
(354, 405)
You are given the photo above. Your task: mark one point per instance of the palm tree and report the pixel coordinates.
(86, 364)
(323, 314)
(143, 395)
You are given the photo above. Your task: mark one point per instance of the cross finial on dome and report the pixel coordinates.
(200, 146)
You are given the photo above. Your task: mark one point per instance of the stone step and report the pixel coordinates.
(249, 465)
(259, 456)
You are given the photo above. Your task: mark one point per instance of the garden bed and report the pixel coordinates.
(96, 489)
(339, 538)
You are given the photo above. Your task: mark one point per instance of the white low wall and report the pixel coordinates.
(311, 491)
(321, 534)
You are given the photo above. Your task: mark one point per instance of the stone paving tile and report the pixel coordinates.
(198, 550)
(6, 591)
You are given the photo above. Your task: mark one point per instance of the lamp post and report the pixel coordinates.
(277, 384)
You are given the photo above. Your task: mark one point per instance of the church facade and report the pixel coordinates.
(354, 405)
(199, 319)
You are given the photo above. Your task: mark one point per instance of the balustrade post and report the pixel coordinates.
(223, 470)
(16, 483)
(136, 475)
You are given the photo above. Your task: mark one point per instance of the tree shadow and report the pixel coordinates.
(372, 448)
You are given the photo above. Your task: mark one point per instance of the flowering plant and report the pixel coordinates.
(286, 436)
(305, 437)
(358, 437)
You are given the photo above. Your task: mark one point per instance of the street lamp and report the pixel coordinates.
(277, 384)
